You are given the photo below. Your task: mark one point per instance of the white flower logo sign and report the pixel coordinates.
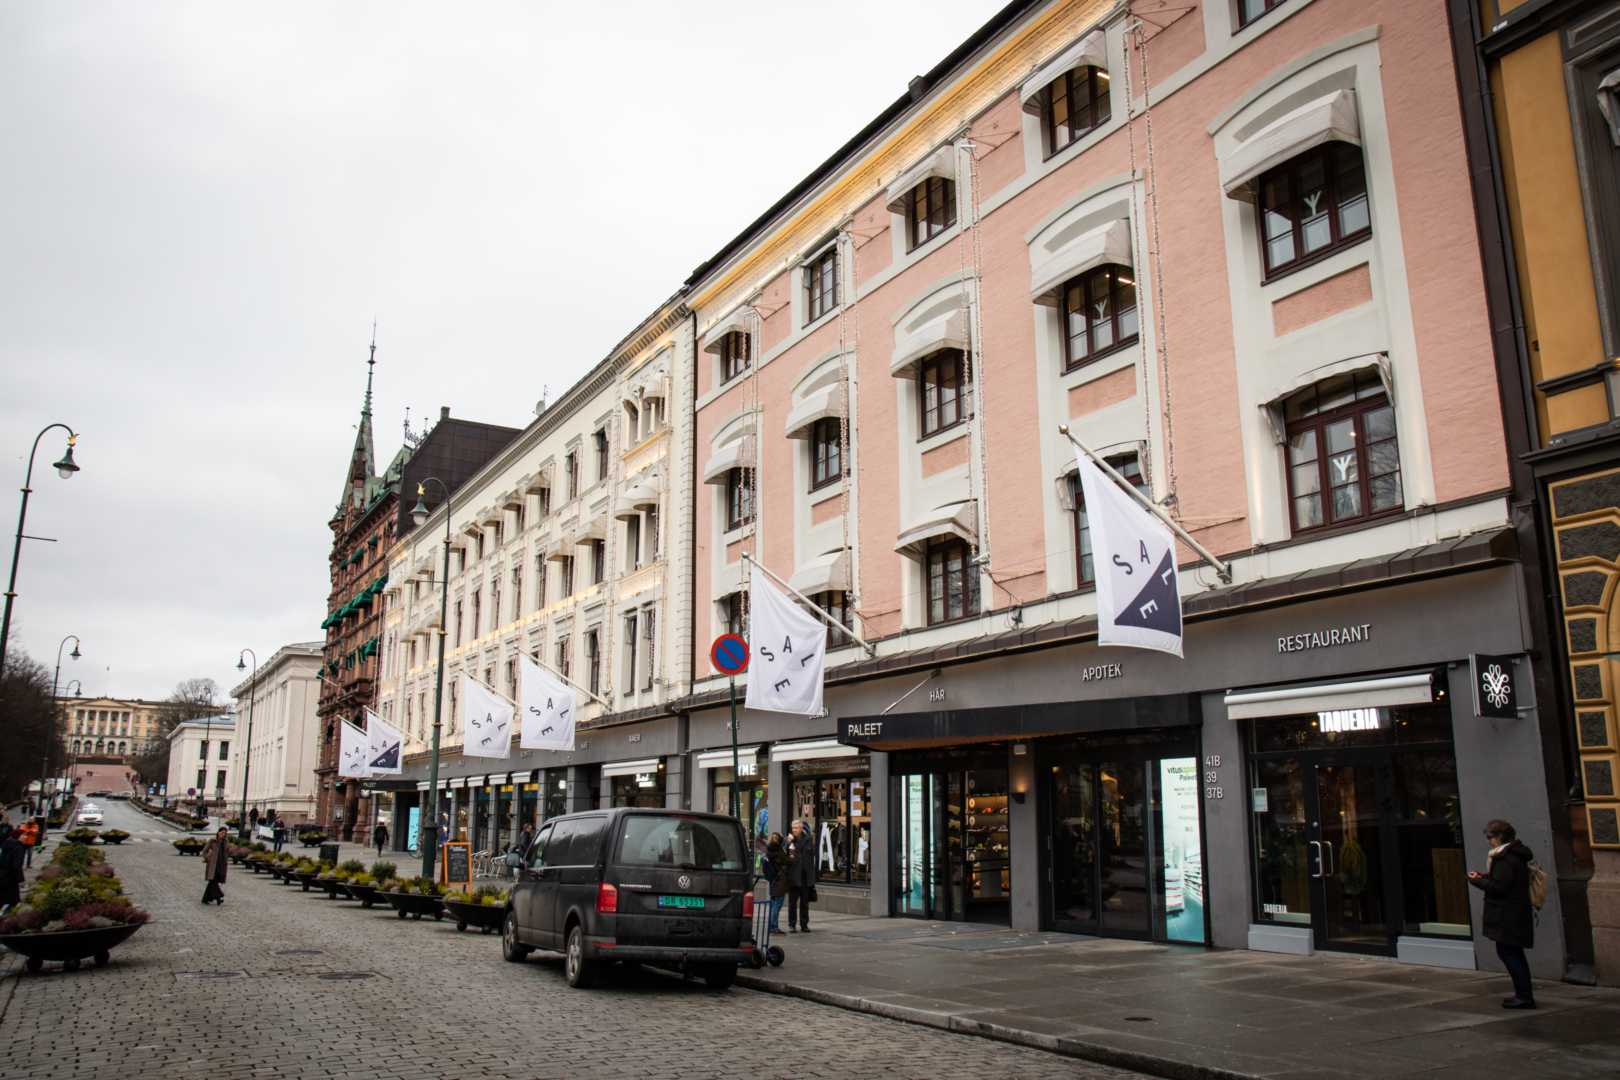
(1497, 685)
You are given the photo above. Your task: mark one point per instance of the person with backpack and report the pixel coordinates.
(1515, 887)
(774, 868)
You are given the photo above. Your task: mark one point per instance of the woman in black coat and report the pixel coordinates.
(1509, 919)
(11, 871)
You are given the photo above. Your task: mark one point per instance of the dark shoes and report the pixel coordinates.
(804, 929)
(1519, 1003)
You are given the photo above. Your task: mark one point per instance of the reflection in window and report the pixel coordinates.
(953, 581)
(826, 449)
(734, 355)
(1250, 10)
(1077, 105)
(930, 210)
(1128, 467)
(947, 389)
(1343, 457)
(821, 285)
(1099, 314)
(1313, 204)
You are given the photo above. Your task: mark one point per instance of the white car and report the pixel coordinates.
(90, 816)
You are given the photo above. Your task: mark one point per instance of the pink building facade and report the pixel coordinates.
(1257, 292)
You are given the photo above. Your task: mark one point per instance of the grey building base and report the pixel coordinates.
(1283, 939)
(1435, 953)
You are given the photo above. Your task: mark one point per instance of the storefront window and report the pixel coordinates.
(556, 795)
(838, 810)
(461, 817)
(1429, 823)
(755, 812)
(644, 789)
(503, 818)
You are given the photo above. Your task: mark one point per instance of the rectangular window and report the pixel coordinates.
(836, 604)
(821, 285)
(593, 656)
(572, 465)
(652, 534)
(953, 582)
(598, 562)
(219, 780)
(1343, 460)
(478, 611)
(564, 666)
(826, 447)
(946, 391)
(739, 500)
(1099, 314)
(1077, 104)
(568, 576)
(632, 544)
(601, 440)
(545, 501)
(1128, 467)
(735, 607)
(1250, 10)
(480, 542)
(649, 627)
(204, 754)
(539, 582)
(630, 644)
(1312, 205)
(517, 592)
(930, 210)
(734, 355)
(458, 622)
(202, 779)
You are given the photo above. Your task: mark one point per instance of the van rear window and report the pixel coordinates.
(680, 843)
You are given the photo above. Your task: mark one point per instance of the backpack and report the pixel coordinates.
(1538, 885)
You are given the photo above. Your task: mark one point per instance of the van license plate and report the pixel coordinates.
(680, 901)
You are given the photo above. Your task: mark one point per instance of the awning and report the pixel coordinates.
(1327, 119)
(822, 405)
(721, 759)
(1332, 697)
(815, 748)
(630, 768)
(422, 785)
(1089, 51)
(563, 548)
(1273, 405)
(1106, 245)
(960, 519)
(949, 331)
(458, 782)
(736, 322)
(594, 529)
(640, 497)
(824, 573)
(941, 162)
(736, 454)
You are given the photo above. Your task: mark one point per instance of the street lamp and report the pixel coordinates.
(247, 751)
(66, 468)
(419, 514)
(50, 732)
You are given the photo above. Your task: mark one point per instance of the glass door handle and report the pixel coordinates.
(1317, 844)
(1333, 860)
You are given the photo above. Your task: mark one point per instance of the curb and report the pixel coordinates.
(1151, 1064)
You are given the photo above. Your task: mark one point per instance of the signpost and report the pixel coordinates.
(729, 654)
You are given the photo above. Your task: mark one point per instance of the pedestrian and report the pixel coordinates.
(801, 878)
(525, 840)
(279, 833)
(11, 871)
(775, 869)
(379, 836)
(216, 857)
(28, 835)
(5, 826)
(253, 821)
(1509, 920)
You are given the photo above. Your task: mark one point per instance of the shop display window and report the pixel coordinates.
(838, 810)
(556, 795)
(645, 790)
(755, 811)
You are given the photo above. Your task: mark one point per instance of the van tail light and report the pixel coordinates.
(748, 904)
(607, 899)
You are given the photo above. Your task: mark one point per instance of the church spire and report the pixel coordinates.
(363, 460)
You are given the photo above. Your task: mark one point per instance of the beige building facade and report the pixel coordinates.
(283, 749)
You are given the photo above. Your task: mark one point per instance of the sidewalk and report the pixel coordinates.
(1186, 1013)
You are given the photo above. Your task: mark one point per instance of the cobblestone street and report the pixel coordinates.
(281, 983)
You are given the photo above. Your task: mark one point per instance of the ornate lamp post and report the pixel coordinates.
(66, 468)
(247, 750)
(50, 732)
(419, 514)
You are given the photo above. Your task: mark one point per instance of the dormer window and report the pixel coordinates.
(1077, 104)
(930, 210)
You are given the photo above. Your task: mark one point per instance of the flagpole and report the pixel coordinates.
(871, 650)
(1222, 570)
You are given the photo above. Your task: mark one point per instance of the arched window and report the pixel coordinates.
(123, 748)
(1077, 103)
(1099, 314)
(75, 746)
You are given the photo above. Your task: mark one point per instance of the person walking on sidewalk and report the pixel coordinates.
(775, 869)
(801, 878)
(278, 833)
(29, 835)
(379, 836)
(216, 856)
(11, 872)
(524, 841)
(1509, 920)
(253, 821)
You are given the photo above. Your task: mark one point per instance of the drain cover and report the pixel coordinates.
(1139, 1019)
(210, 974)
(348, 975)
(299, 952)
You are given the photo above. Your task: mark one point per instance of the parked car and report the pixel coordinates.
(120, 795)
(90, 816)
(670, 889)
(101, 794)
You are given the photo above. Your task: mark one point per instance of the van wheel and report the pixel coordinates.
(511, 949)
(581, 972)
(720, 976)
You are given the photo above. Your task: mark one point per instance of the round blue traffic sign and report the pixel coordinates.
(729, 654)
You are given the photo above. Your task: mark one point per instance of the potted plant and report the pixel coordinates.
(114, 836)
(306, 871)
(416, 897)
(188, 845)
(81, 836)
(382, 871)
(74, 910)
(484, 907)
(311, 836)
(362, 887)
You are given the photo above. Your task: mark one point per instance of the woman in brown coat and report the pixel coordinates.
(216, 857)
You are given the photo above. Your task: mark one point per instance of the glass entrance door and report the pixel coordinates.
(1347, 856)
(1100, 858)
(952, 849)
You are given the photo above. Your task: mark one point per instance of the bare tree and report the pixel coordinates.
(192, 699)
(32, 729)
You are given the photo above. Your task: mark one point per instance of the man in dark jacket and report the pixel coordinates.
(11, 871)
(801, 878)
(1509, 919)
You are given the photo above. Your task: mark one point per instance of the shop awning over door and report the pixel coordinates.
(1330, 697)
(629, 768)
(815, 748)
(721, 759)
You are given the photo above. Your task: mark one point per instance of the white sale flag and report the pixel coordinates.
(352, 748)
(489, 721)
(385, 748)
(548, 710)
(787, 650)
(1134, 555)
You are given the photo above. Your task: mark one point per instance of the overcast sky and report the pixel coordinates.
(203, 206)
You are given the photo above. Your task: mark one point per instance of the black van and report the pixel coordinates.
(663, 887)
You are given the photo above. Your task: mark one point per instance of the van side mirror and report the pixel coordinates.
(513, 859)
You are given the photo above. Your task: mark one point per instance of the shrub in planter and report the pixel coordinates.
(383, 870)
(81, 836)
(311, 837)
(260, 846)
(114, 836)
(352, 866)
(233, 822)
(362, 879)
(488, 895)
(75, 892)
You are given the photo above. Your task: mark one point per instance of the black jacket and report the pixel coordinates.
(803, 850)
(777, 868)
(1509, 918)
(11, 870)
